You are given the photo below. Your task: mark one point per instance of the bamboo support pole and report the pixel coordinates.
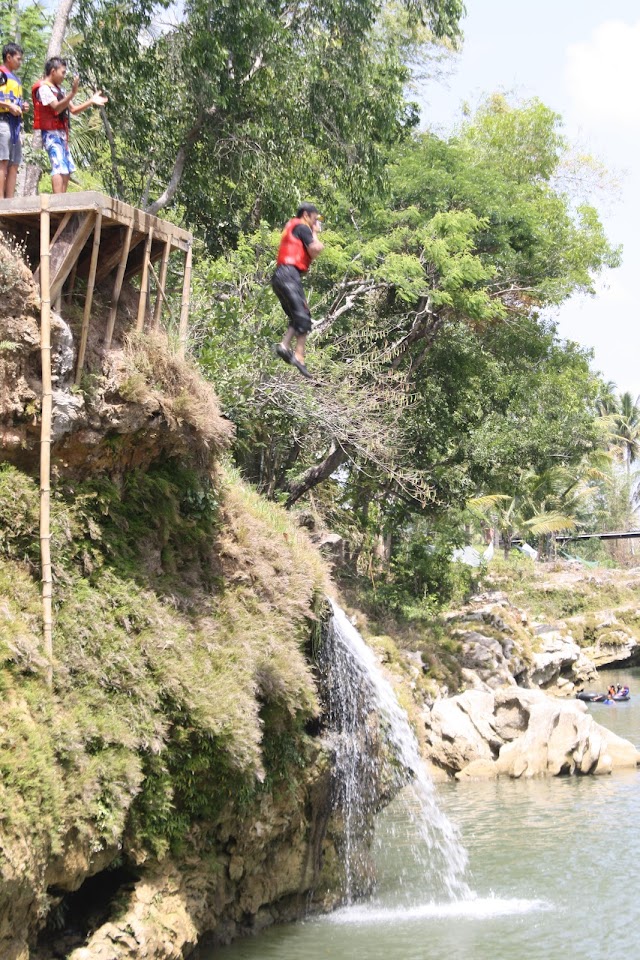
(88, 303)
(144, 283)
(161, 284)
(45, 434)
(117, 287)
(186, 298)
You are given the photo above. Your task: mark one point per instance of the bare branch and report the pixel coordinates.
(418, 329)
(257, 63)
(314, 475)
(336, 311)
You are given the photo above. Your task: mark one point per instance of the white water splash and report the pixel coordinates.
(357, 688)
(480, 908)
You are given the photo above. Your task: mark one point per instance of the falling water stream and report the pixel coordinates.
(357, 693)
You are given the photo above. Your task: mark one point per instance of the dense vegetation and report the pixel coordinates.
(172, 691)
(449, 405)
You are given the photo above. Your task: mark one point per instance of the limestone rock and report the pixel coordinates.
(559, 654)
(460, 730)
(615, 643)
(521, 733)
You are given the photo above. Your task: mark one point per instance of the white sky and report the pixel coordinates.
(582, 59)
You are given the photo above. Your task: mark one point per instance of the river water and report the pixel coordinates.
(554, 870)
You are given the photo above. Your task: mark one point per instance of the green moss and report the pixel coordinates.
(182, 609)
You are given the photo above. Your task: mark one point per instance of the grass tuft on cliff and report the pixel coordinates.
(153, 373)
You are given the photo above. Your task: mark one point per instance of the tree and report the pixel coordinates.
(543, 505)
(627, 437)
(237, 109)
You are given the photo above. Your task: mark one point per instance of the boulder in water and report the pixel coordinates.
(521, 733)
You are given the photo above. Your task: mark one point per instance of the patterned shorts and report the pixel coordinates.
(56, 145)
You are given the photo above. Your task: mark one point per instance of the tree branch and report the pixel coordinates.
(54, 48)
(418, 329)
(349, 300)
(169, 193)
(111, 140)
(314, 475)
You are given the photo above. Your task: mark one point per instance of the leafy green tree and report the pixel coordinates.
(29, 25)
(543, 505)
(238, 109)
(432, 301)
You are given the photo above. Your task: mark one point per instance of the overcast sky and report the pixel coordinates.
(582, 58)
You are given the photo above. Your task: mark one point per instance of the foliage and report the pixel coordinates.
(250, 106)
(441, 380)
(421, 578)
(29, 25)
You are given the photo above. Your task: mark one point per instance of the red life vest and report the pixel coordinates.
(45, 117)
(293, 251)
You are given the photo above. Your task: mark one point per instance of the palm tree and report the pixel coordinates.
(545, 504)
(628, 429)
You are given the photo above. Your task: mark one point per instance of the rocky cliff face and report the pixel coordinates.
(175, 781)
(133, 406)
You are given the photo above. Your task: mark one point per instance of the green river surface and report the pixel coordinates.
(554, 869)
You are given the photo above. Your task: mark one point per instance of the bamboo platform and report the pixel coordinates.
(94, 237)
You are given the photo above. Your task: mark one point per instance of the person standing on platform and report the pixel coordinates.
(12, 108)
(51, 109)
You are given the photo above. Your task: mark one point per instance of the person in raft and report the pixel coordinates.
(12, 107)
(299, 247)
(51, 109)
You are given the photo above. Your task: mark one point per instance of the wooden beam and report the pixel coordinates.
(61, 226)
(144, 283)
(45, 435)
(88, 303)
(186, 303)
(161, 284)
(67, 249)
(117, 287)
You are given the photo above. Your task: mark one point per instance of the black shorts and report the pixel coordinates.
(287, 286)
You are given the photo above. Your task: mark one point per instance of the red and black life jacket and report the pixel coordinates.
(293, 251)
(45, 117)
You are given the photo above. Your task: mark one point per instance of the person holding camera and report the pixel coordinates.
(51, 110)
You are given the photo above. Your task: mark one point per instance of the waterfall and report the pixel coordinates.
(363, 709)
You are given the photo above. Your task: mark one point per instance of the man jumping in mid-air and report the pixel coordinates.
(299, 246)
